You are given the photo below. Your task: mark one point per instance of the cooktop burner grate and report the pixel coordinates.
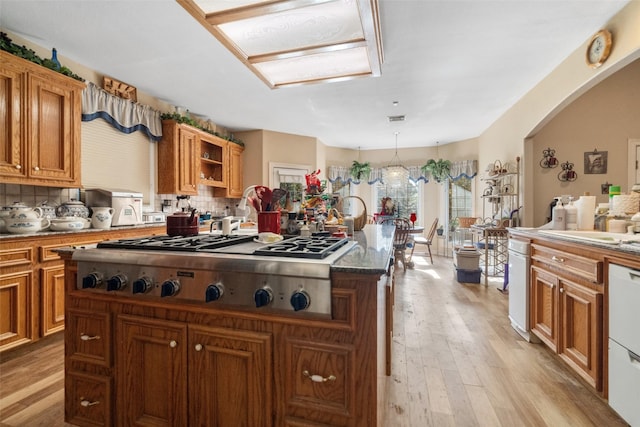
(315, 247)
(175, 243)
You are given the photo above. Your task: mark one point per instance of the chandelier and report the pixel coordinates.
(395, 174)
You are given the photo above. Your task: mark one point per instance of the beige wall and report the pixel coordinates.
(604, 118)
(567, 82)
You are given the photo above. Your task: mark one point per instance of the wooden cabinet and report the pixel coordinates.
(40, 113)
(567, 294)
(174, 374)
(171, 363)
(32, 281)
(178, 156)
(235, 185)
(188, 157)
(213, 161)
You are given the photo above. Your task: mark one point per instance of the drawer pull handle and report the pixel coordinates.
(318, 378)
(173, 344)
(198, 347)
(556, 259)
(85, 403)
(85, 337)
(18, 167)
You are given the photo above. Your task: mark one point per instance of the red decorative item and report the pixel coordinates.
(314, 186)
(413, 217)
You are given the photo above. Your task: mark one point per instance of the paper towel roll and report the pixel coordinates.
(586, 207)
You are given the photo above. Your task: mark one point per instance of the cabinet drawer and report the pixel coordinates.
(320, 380)
(18, 256)
(87, 400)
(88, 337)
(586, 268)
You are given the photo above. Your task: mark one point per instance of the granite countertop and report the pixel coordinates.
(372, 252)
(7, 236)
(622, 247)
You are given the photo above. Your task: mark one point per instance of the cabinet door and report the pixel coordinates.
(52, 299)
(15, 308)
(188, 168)
(544, 306)
(581, 325)
(151, 383)
(230, 378)
(54, 111)
(235, 183)
(12, 149)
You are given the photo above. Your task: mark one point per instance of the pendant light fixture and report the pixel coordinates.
(395, 174)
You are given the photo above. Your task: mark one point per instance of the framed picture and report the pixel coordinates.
(595, 162)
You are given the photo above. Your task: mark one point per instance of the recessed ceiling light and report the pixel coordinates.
(396, 118)
(395, 103)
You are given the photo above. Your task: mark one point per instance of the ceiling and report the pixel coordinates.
(453, 66)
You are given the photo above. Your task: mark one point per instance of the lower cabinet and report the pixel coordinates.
(15, 306)
(173, 374)
(52, 293)
(567, 297)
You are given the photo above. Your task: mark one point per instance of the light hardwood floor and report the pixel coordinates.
(456, 362)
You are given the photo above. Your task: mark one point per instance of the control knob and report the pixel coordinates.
(300, 300)
(142, 285)
(92, 280)
(117, 282)
(169, 288)
(263, 296)
(214, 292)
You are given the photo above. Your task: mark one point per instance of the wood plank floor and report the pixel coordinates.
(456, 362)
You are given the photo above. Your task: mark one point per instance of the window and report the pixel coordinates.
(460, 199)
(406, 199)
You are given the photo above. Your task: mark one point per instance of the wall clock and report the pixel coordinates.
(599, 48)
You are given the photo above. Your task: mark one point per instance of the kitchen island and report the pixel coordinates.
(163, 361)
(569, 296)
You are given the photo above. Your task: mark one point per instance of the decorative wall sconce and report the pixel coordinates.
(549, 159)
(567, 173)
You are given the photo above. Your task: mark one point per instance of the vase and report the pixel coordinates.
(101, 217)
(54, 58)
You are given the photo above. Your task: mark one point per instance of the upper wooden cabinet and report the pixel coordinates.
(40, 113)
(188, 157)
(234, 187)
(178, 150)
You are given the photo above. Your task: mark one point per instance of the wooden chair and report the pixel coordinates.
(400, 239)
(419, 240)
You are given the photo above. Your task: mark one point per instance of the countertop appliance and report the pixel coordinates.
(127, 205)
(519, 263)
(624, 342)
(238, 271)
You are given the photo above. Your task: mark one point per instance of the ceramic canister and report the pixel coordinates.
(102, 217)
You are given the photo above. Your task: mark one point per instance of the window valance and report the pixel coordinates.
(459, 169)
(464, 168)
(123, 114)
(342, 173)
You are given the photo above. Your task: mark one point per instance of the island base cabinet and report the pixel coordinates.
(88, 399)
(581, 343)
(171, 374)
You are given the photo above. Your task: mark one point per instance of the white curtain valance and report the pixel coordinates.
(459, 169)
(464, 168)
(342, 173)
(123, 114)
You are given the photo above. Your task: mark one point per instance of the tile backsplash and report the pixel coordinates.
(32, 195)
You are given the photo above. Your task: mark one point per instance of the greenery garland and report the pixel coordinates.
(25, 53)
(439, 169)
(192, 122)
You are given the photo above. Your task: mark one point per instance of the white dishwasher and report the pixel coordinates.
(519, 263)
(624, 342)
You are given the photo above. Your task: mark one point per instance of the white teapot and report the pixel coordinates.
(101, 217)
(26, 220)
